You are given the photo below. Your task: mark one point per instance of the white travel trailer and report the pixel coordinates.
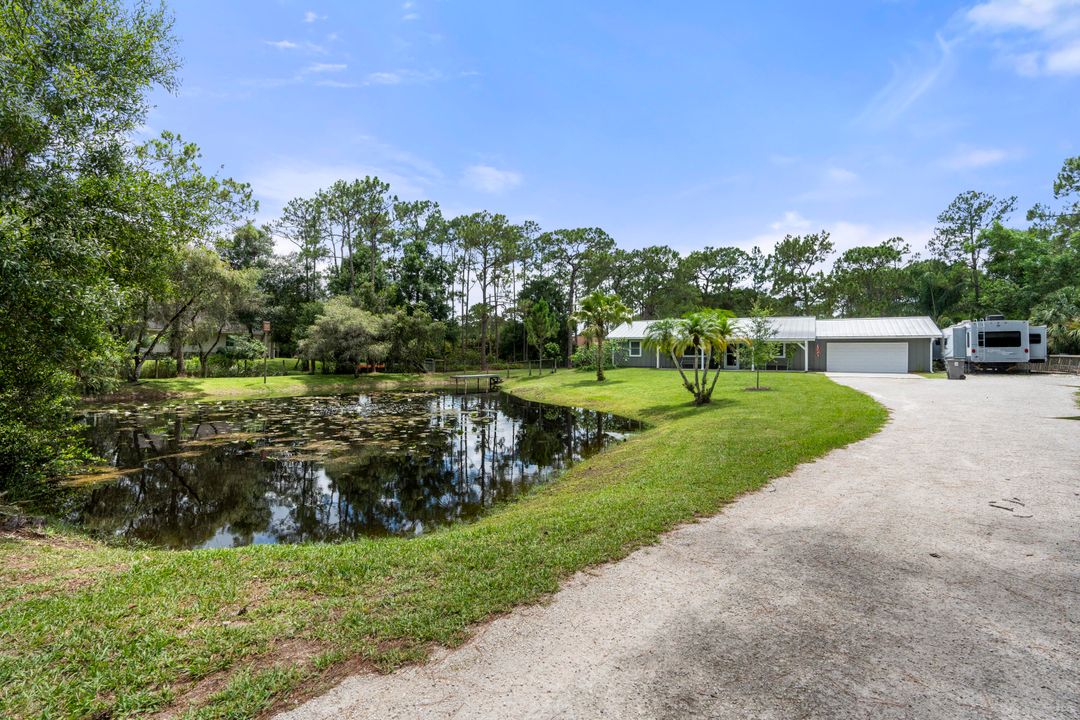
(994, 343)
(1037, 343)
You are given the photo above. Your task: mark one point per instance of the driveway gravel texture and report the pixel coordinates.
(930, 571)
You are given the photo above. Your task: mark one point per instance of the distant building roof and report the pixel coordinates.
(800, 328)
(888, 327)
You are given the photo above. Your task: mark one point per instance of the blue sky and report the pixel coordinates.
(689, 124)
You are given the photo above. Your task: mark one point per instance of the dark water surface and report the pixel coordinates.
(323, 468)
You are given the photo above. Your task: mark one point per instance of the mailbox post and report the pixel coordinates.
(266, 346)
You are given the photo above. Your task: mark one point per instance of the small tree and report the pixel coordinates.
(760, 348)
(601, 313)
(540, 325)
(245, 349)
(345, 333)
(708, 332)
(552, 350)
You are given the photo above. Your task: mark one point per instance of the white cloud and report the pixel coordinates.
(834, 184)
(325, 67)
(311, 16)
(1065, 61)
(290, 45)
(792, 221)
(384, 78)
(410, 16)
(1036, 37)
(840, 175)
(971, 158)
(486, 178)
(336, 84)
(1025, 14)
(844, 234)
(910, 81)
(400, 77)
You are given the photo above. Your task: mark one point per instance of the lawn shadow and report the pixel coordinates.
(591, 381)
(687, 409)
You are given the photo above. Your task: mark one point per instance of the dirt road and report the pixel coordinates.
(931, 571)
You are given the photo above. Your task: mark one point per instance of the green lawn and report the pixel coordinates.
(93, 631)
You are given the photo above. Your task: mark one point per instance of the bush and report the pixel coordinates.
(584, 357)
(101, 373)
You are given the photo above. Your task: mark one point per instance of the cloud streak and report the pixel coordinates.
(488, 179)
(910, 81)
(973, 158)
(402, 77)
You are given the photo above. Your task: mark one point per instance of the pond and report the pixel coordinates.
(305, 469)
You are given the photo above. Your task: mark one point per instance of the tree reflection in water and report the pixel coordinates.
(323, 469)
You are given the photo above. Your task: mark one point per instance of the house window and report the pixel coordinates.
(782, 355)
(634, 348)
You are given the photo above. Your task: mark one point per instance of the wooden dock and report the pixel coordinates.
(463, 381)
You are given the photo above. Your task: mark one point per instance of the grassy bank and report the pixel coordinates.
(88, 630)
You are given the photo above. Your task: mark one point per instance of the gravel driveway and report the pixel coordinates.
(931, 571)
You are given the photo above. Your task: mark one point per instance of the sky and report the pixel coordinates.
(688, 124)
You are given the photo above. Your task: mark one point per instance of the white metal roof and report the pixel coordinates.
(787, 328)
(630, 331)
(888, 327)
(808, 328)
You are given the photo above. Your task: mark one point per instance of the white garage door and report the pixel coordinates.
(883, 357)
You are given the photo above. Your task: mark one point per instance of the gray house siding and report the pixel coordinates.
(793, 361)
(918, 352)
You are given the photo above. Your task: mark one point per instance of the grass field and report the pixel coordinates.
(93, 631)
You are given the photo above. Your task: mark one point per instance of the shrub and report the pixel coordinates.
(584, 357)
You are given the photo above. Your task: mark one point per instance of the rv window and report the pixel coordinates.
(635, 348)
(999, 339)
(1034, 339)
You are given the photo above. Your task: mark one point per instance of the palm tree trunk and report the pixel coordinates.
(705, 376)
(716, 373)
(599, 359)
(678, 366)
(697, 377)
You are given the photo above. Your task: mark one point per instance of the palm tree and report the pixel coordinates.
(1060, 312)
(708, 332)
(667, 336)
(601, 313)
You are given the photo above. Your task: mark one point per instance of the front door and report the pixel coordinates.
(731, 358)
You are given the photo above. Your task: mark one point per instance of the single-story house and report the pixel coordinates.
(162, 347)
(887, 345)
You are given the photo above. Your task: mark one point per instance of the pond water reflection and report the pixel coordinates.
(323, 468)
